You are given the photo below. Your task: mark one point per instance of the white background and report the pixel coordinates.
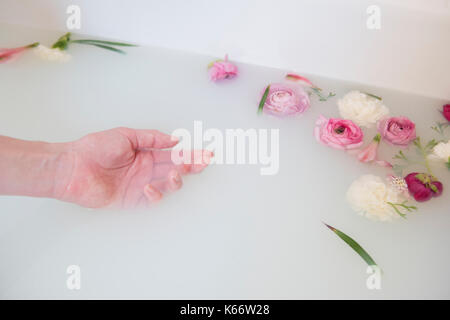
(324, 37)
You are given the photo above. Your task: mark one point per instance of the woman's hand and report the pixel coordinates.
(119, 168)
(126, 168)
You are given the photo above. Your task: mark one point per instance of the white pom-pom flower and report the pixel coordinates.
(370, 196)
(362, 108)
(50, 54)
(441, 152)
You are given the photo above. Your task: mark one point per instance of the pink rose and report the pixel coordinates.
(222, 69)
(446, 111)
(397, 130)
(10, 54)
(338, 133)
(286, 99)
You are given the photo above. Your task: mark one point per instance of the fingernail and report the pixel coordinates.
(177, 178)
(176, 181)
(152, 193)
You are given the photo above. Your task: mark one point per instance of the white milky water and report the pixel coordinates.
(230, 232)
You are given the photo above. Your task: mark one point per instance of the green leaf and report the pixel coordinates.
(401, 156)
(373, 96)
(110, 43)
(431, 144)
(377, 137)
(62, 45)
(105, 47)
(212, 63)
(434, 188)
(354, 245)
(263, 99)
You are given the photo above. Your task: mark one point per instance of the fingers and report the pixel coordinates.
(199, 160)
(185, 156)
(171, 183)
(162, 156)
(152, 194)
(150, 139)
(154, 191)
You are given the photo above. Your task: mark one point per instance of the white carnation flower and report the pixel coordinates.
(52, 54)
(369, 196)
(441, 152)
(362, 109)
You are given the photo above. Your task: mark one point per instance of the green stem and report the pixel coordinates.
(33, 45)
(318, 92)
(424, 155)
(402, 205)
(427, 164)
(397, 210)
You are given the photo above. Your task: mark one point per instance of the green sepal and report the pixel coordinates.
(263, 99)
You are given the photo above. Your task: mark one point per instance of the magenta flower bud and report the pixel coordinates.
(423, 186)
(446, 111)
(423, 195)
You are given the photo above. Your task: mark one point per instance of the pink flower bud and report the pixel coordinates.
(446, 111)
(11, 54)
(222, 69)
(300, 80)
(370, 153)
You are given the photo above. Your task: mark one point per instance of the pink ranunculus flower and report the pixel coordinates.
(10, 54)
(398, 131)
(338, 133)
(423, 186)
(446, 111)
(286, 99)
(222, 69)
